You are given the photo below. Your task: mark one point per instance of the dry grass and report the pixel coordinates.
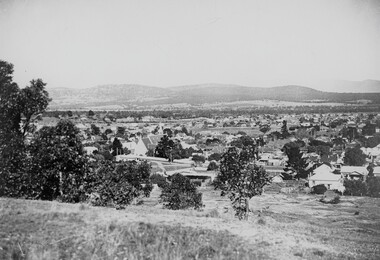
(281, 226)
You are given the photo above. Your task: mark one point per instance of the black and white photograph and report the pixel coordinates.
(189, 129)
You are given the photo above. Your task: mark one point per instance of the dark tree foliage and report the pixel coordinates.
(373, 141)
(118, 185)
(91, 113)
(180, 193)
(318, 189)
(240, 179)
(108, 131)
(95, 130)
(168, 132)
(212, 141)
(198, 159)
(120, 131)
(354, 156)
(284, 130)
(264, 128)
(248, 145)
(296, 162)
(373, 186)
(185, 131)
(57, 164)
(117, 147)
(159, 180)
(322, 150)
(369, 129)
(33, 100)
(351, 133)
(215, 157)
(315, 142)
(17, 109)
(212, 166)
(165, 148)
(355, 187)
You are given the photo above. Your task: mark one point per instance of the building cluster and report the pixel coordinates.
(325, 139)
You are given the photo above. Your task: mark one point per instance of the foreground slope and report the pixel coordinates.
(281, 226)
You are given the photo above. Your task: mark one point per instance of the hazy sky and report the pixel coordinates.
(83, 43)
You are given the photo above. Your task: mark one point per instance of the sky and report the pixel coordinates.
(81, 44)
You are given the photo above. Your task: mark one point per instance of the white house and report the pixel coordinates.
(324, 174)
(354, 172)
(140, 148)
(90, 149)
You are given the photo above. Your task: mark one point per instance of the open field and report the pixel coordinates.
(281, 226)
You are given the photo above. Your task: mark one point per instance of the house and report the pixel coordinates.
(90, 149)
(354, 172)
(151, 141)
(376, 171)
(141, 148)
(130, 145)
(325, 175)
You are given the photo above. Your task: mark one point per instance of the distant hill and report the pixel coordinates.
(365, 86)
(127, 96)
(106, 95)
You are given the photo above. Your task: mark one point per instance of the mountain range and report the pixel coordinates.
(129, 96)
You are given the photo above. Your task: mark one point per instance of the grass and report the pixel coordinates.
(52, 234)
(280, 226)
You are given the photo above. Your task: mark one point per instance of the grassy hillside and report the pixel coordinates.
(281, 226)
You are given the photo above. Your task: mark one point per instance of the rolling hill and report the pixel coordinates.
(127, 96)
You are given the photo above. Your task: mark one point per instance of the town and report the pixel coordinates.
(335, 146)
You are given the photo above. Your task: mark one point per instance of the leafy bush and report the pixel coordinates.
(215, 157)
(198, 159)
(330, 197)
(57, 164)
(212, 166)
(118, 184)
(373, 185)
(159, 180)
(355, 187)
(181, 194)
(318, 189)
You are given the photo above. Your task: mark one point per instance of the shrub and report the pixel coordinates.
(355, 187)
(117, 185)
(212, 166)
(318, 189)
(159, 180)
(181, 194)
(373, 185)
(57, 163)
(215, 157)
(198, 159)
(330, 197)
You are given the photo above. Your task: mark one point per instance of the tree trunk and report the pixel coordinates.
(247, 208)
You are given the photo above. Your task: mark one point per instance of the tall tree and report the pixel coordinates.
(117, 147)
(95, 130)
(15, 104)
(240, 179)
(354, 156)
(33, 100)
(284, 130)
(296, 163)
(165, 148)
(58, 163)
